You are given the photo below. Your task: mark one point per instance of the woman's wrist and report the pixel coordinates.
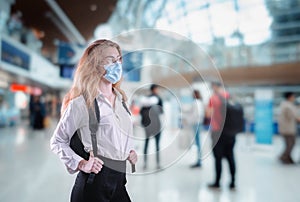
(81, 164)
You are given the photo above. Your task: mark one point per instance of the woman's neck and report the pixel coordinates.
(105, 87)
(107, 91)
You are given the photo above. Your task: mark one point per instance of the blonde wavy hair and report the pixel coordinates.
(87, 77)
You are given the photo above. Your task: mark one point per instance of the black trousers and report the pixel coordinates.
(108, 186)
(157, 140)
(223, 147)
(290, 141)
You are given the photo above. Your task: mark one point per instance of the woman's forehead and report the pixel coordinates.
(110, 51)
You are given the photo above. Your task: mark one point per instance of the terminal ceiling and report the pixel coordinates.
(87, 15)
(84, 15)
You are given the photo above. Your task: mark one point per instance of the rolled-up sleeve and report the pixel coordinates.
(60, 141)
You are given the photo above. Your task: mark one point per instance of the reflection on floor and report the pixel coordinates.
(31, 173)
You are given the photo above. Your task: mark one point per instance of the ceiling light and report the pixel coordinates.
(93, 7)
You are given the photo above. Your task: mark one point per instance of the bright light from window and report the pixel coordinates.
(254, 19)
(223, 18)
(220, 19)
(232, 41)
(257, 37)
(255, 25)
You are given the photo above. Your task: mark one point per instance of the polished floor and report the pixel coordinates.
(31, 173)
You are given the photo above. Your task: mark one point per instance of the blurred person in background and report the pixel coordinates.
(37, 112)
(31, 115)
(196, 117)
(222, 141)
(151, 109)
(15, 25)
(287, 123)
(97, 84)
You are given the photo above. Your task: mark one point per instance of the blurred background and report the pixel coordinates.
(252, 46)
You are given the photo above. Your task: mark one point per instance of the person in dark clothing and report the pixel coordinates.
(38, 111)
(31, 111)
(151, 110)
(223, 142)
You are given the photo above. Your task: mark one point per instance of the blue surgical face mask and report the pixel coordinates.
(113, 72)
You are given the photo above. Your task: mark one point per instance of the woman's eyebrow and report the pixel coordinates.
(113, 58)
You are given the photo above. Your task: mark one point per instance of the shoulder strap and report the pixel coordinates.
(94, 124)
(94, 120)
(97, 110)
(123, 100)
(125, 106)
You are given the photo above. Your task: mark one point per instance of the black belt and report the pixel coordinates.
(117, 165)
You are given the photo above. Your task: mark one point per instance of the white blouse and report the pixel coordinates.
(114, 136)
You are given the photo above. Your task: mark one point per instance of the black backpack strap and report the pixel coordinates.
(223, 103)
(97, 111)
(125, 106)
(94, 120)
(93, 125)
(223, 109)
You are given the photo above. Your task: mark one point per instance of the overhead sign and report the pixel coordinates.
(68, 53)
(14, 56)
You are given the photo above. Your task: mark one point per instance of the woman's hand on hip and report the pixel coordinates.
(93, 165)
(132, 158)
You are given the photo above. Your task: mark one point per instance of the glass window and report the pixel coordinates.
(223, 18)
(254, 24)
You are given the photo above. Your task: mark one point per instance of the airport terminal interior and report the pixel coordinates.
(250, 47)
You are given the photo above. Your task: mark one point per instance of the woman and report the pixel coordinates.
(197, 117)
(97, 77)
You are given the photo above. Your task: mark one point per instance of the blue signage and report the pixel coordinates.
(67, 71)
(264, 121)
(14, 56)
(66, 53)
